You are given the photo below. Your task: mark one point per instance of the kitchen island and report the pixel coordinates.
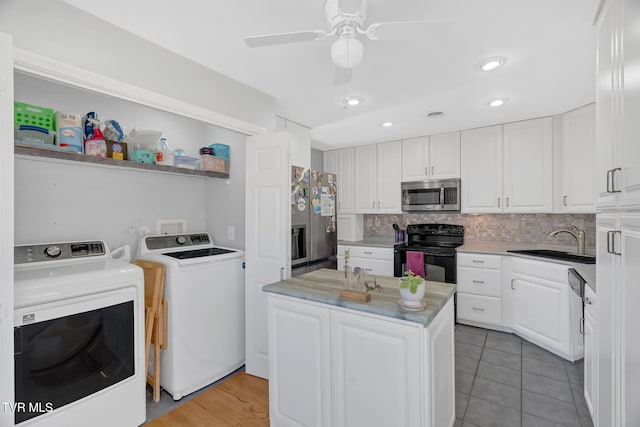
(334, 362)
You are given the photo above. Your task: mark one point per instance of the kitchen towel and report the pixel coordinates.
(415, 262)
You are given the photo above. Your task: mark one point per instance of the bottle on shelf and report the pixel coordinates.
(164, 153)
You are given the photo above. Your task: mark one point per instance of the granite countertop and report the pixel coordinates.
(324, 286)
(380, 242)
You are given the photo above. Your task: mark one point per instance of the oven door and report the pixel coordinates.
(68, 350)
(438, 267)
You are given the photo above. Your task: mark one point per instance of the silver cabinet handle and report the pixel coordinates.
(611, 182)
(378, 204)
(477, 261)
(478, 309)
(498, 201)
(582, 325)
(373, 205)
(281, 273)
(507, 202)
(512, 284)
(433, 170)
(479, 282)
(564, 200)
(368, 253)
(426, 170)
(611, 242)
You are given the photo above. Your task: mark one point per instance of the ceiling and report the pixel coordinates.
(550, 46)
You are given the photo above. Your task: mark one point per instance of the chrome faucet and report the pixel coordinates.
(576, 233)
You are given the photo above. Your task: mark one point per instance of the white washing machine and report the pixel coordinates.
(204, 288)
(79, 337)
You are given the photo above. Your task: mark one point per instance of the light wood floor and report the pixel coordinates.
(241, 400)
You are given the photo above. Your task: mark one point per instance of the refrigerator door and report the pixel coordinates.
(322, 224)
(300, 233)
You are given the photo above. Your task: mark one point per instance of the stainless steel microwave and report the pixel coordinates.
(424, 196)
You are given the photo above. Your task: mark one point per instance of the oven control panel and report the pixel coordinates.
(177, 241)
(57, 251)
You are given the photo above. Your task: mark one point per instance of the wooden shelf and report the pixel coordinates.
(65, 156)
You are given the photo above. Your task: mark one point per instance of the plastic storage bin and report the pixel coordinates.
(33, 115)
(220, 150)
(185, 162)
(213, 164)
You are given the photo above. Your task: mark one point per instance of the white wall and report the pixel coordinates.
(59, 31)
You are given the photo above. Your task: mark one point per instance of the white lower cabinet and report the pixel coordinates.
(479, 281)
(375, 260)
(543, 309)
(590, 352)
(330, 366)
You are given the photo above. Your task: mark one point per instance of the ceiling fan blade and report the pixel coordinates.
(300, 36)
(343, 76)
(408, 30)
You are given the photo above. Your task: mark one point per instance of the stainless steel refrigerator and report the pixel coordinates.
(313, 220)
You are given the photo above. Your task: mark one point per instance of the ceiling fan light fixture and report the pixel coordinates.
(490, 64)
(346, 52)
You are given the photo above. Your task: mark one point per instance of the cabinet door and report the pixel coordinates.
(330, 162)
(376, 375)
(389, 176)
(578, 161)
(590, 352)
(629, 319)
(630, 143)
(346, 181)
(541, 308)
(299, 369)
(606, 313)
(365, 179)
(301, 144)
(415, 159)
(267, 225)
(528, 167)
(481, 170)
(444, 155)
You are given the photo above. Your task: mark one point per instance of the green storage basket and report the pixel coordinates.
(33, 115)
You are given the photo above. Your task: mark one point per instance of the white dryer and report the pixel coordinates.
(204, 289)
(79, 337)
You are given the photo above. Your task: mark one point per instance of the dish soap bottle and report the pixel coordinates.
(96, 145)
(164, 153)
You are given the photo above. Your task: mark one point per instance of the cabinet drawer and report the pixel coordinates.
(480, 260)
(368, 252)
(480, 281)
(480, 308)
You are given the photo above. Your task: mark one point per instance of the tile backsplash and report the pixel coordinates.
(532, 228)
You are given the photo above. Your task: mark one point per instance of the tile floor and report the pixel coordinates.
(502, 380)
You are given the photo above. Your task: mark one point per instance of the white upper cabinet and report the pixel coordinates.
(481, 159)
(435, 157)
(528, 166)
(301, 144)
(577, 162)
(346, 181)
(330, 161)
(377, 178)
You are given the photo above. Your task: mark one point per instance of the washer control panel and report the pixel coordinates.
(177, 241)
(57, 251)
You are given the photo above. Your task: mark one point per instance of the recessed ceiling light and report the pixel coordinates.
(352, 101)
(435, 114)
(387, 124)
(491, 64)
(497, 102)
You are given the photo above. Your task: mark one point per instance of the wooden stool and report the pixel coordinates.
(155, 322)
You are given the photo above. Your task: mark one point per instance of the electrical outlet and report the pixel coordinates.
(231, 232)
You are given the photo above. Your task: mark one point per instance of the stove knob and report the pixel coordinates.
(52, 251)
(181, 240)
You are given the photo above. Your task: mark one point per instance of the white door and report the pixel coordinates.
(607, 310)
(366, 184)
(444, 154)
(481, 170)
(528, 167)
(375, 377)
(267, 228)
(6, 226)
(346, 181)
(578, 161)
(389, 177)
(630, 143)
(299, 368)
(630, 319)
(590, 352)
(415, 159)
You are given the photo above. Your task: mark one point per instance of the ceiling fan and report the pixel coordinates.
(347, 50)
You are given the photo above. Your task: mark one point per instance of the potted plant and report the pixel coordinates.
(411, 290)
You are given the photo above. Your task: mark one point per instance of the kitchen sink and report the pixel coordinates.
(564, 256)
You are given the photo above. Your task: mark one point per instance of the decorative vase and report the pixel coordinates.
(412, 300)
